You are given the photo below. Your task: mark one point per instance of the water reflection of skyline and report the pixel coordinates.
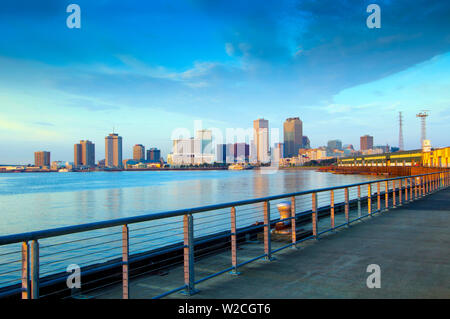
(33, 211)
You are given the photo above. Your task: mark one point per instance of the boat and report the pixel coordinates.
(240, 166)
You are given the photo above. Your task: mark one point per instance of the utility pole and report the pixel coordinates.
(423, 116)
(400, 132)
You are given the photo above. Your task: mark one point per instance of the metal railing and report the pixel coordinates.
(33, 265)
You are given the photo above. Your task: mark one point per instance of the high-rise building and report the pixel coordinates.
(113, 150)
(41, 158)
(225, 153)
(366, 142)
(139, 152)
(233, 153)
(206, 147)
(334, 145)
(293, 132)
(154, 155)
(194, 151)
(278, 153)
(84, 154)
(261, 140)
(241, 152)
(77, 157)
(305, 142)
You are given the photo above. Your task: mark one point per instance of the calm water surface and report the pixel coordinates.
(34, 201)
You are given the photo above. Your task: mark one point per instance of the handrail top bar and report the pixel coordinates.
(66, 230)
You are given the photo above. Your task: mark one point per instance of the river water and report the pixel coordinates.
(36, 201)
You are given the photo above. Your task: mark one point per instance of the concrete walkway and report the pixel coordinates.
(411, 244)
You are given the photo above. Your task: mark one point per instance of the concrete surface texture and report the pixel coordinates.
(411, 244)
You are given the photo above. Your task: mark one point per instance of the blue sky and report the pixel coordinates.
(150, 67)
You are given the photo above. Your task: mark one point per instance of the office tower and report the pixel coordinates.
(335, 145)
(196, 151)
(305, 142)
(293, 132)
(205, 137)
(241, 152)
(261, 140)
(77, 157)
(225, 153)
(84, 154)
(233, 153)
(113, 150)
(153, 155)
(139, 152)
(41, 158)
(366, 142)
(278, 153)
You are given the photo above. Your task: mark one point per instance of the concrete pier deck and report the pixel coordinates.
(411, 244)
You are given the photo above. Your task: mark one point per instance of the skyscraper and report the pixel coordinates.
(113, 150)
(261, 140)
(366, 142)
(293, 132)
(335, 145)
(153, 155)
(139, 152)
(278, 152)
(84, 154)
(41, 158)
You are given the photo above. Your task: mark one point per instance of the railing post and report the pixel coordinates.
(25, 271)
(359, 200)
(378, 196)
(394, 195)
(410, 189)
(188, 229)
(233, 242)
(125, 265)
(332, 208)
(424, 192)
(406, 190)
(400, 190)
(386, 195)
(267, 241)
(422, 183)
(369, 199)
(34, 269)
(314, 216)
(416, 187)
(293, 223)
(347, 219)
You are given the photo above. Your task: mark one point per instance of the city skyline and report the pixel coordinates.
(271, 60)
(84, 153)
